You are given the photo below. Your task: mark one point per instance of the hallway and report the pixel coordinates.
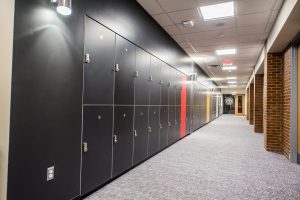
(223, 160)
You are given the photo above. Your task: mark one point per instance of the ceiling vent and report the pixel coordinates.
(188, 23)
(214, 66)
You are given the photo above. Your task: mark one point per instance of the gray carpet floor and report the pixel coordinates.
(223, 160)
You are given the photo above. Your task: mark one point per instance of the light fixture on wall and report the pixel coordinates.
(64, 7)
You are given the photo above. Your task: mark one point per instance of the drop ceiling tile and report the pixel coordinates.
(184, 15)
(163, 19)
(175, 5)
(172, 30)
(249, 7)
(253, 19)
(151, 6)
(248, 30)
(179, 38)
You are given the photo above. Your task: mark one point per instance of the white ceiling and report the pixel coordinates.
(247, 32)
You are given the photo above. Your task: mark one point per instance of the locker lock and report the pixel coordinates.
(136, 74)
(149, 129)
(117, 68)
(135, 133)
(85, 147)
(176, 122)
(87, 58)
(161, 82)
(115, 139)
(150, 78)
(169, 84)
(169, 124)
(160, 126)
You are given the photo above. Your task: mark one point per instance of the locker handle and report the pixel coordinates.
(161, 82)
(117, 68)
(169, 84)
(176, 122)
(169, 123)
(115, 139)
(85, 147)
(149, 129)
(135, 133)
(150, 78)
(160, 126)
(87, 58)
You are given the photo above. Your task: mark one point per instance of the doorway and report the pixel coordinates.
(228, 104)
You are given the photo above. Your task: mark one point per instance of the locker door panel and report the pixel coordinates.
(98, 74)
(163, 126)
(154, 130)
(142, 84)
(188, 120)
(178, 88)
(140, 134)
(177, 122)
(164, 85)
(172, 88)
(155, 73)
(122, 139)
(125, 76)
(97, 134)
(171, 123)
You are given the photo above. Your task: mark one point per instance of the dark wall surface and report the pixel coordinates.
(47, 82)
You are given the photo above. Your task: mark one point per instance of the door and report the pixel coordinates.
(140, 134)
(99, 62)
(153, 146)
(122, 139)
(164, 84)
(155, 81)
(178, 88)
(171, 125)
(188, 120)
(97, 146)
(124, 72)
(298, 118)
(163, 126)
(177, 122)
(172, 86)
(142, 84)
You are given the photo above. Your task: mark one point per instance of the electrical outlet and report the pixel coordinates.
(50, 173)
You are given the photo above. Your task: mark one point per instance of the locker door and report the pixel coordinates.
(155, 83)
(188, 120)
(195, 118)
(171, 124)
(140, 133)
(177, 122)
(153, 130)
(142, 84)
(98, 75)
(97, 155)
(122, 139)
(172, 88)
(125, 72)
(178, 88)
(164, 85)
(163, 126)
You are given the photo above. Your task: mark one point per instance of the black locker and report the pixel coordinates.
(172, 86)
(164, 126)
(125, 72)
(178, 88)
(177, 122)
(99, 62)
(171, 125)
(155, 81)
(122, 139)
(140, 134)
(142, 84)
(97, 146)
(164, 84)
(153, 146)
(188, 120)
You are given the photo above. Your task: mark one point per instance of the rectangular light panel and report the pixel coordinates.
(217, 11)
(222, 52)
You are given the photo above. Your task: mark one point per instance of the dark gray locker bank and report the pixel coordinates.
(140, 134)
(124, 72)
(164, 126)
(153, 146)
(155, 78)
(122, 139)
(142, 84)
(99, 62)
(97, 146)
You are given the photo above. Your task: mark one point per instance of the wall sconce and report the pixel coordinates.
(64, 7)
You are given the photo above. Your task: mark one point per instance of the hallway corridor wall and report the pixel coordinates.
(47, 86)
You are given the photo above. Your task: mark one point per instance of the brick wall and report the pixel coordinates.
(248, 104)
(286, 104)
(251, 106)
(258, 103)
(272, 107)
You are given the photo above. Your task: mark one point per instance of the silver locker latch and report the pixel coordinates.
(150, 78)
(136, 74)
(117, 68)
(87, 58)
(169, 124)
(85, 147)
(160, 126)
(149, 129)
(169, 84)
(161, 82)
(135, 133)
(176, 122)
(115, 139)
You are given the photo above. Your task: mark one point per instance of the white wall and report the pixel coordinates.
(6, 41)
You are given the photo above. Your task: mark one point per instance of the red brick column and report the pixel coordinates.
(258, 103)
(272, 108)
(251, 106)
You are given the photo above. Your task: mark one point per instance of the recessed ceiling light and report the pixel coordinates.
(232, 85)
(217, 11)
(221, 52)
(232, 82)
(229, 68)
(231, 78)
